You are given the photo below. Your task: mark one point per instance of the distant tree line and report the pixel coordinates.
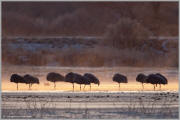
(85, 18)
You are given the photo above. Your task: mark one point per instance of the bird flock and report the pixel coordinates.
(27, 79)
(88, 79)
(153, 79)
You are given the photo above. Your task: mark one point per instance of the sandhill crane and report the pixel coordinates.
(120, 79)
(55, 77)
(142, 79)
(29, 79)
(92, 78)
(16, 79)
(70, 77)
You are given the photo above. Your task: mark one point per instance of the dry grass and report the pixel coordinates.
(93, 54)
(98, 56)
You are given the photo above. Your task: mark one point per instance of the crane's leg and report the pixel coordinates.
(29, 86)
(54, 85)
(160, 86)
(119, 86)
(84, 87)
(80, 87)
(142, 86)
(73, 87)
(17, 86)
(154, 87)
(90, 87)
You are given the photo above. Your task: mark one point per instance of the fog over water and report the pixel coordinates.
(104, 74)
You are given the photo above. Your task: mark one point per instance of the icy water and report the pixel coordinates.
(104, 74)
(95, 105)
(104, 101)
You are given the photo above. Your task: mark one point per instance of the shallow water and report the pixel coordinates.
(104, 101)
(104, 74)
